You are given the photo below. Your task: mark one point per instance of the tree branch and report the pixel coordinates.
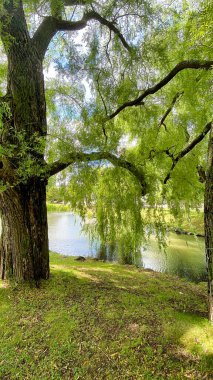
(100, 94)
(186, 150)
(77, 2)
(72, 158)
(51, 25)
(201, 173)
(111, 26)
(194, 64)
(176, 97)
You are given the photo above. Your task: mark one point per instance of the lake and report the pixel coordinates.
(184, 256)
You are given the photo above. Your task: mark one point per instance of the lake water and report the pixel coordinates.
(184, 256)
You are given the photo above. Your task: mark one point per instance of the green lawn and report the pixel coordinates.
(94, 320)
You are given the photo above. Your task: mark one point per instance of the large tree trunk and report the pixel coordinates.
(24, 239)
(208, 222)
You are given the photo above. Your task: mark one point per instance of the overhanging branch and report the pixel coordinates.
(186, 150)
(72, 158)
(194, 64)
(51, 25)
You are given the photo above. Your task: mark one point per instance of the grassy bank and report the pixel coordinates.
(193, 223)
(95, 320)
(58, 207)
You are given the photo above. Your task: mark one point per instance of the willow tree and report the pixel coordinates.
(126, 60)
(23, 170)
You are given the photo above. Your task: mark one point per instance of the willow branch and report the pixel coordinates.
(194, 64)
(75, 2)
(188, 149)
(101, 96)
(79, 2)
(72, 158)
(51, 25)
(169, 110)
(111, 26)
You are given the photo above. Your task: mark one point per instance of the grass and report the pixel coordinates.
(95, 320)
(58, 207)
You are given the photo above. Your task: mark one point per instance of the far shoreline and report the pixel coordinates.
(179, 230)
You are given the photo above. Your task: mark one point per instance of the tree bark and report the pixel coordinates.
(24, 239)
(24, 252)
(208, 223)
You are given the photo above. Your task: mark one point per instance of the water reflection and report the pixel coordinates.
(65, 235)
(183, 257)
(106, 252)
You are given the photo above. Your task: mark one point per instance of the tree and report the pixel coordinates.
(149, 170)
(200, 26)
(23, 170)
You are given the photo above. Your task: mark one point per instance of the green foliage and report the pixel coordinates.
(114, 197)
(57, 193)
(4, 111)
(3, 75)
(200, 26)
(57, 8)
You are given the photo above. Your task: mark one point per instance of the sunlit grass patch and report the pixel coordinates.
(199, 338)
(77, 272)
(195, 338)
(96, 269)
(3, 284)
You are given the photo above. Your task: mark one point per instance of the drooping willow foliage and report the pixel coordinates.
(151, 135)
